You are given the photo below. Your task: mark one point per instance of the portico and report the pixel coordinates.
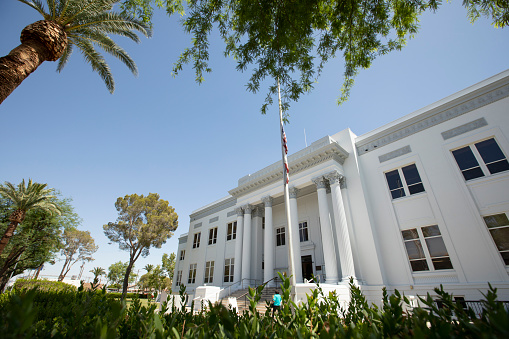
(321, 241)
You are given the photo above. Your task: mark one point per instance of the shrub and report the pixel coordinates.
(23, 285)
(93, 314)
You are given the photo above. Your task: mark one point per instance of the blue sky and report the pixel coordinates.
(191, 143)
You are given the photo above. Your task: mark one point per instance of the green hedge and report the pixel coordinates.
(94, 314)
(42, 285)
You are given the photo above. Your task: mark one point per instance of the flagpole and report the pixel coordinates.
(291, 265)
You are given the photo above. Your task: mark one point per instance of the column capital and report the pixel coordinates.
(258, 211)
(320, 182)
(267, 201)
(248, 208)
(334, 177)
(240, 211)
(342, 183)
(293, 192)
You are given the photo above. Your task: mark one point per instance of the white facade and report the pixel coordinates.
(389, 208)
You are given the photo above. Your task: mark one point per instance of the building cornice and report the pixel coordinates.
(213, 208)
(318, 152)
(472, 98)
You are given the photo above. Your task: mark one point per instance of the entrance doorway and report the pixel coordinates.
(307, 267)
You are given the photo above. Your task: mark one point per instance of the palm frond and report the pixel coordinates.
(96, 60)
(62, 7)
(86, 8)
(109, 46)
(112, 23)
(65, 57)
(52, 9)
(37, 5)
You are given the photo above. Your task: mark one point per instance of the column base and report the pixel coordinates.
(346, 280)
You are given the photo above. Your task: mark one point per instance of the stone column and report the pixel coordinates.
(257, 252)
(329, 254)
(238, 245)
(345, 248)
(268, 242)
(246, 245)
(295, 234)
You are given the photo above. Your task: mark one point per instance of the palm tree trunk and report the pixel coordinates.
(8, 235)
(40, 41)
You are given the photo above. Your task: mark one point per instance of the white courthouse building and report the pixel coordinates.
(419, 202)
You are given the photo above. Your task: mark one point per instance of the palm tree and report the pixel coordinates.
(33, 196)
(98, 271)
(148, 268)
(68, 23)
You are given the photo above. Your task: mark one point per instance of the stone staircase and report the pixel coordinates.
(243, 301)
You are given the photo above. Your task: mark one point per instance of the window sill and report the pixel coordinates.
(434, 277)
(488, 178)
(409, 197)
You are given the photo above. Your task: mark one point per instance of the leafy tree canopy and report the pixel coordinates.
(143, 222)
(37, 239)
(77, 246)
(292, 40)
(116, 273)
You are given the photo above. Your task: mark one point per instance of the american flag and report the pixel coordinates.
(285, 160)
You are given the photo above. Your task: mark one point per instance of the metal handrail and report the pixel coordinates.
(265, 283)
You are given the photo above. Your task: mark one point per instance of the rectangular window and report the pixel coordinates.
(480, 159)
(433, 254)
(179, 278)
(212, 235)
(498, 225)
(182, 254)
(228, 269)
(231, 232)
(209, 271)
(303, 231)
(192, 274)
(280, 236)
(196, 241)
(411, 184)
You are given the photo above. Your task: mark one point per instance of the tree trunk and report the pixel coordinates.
(64, 272)
(39, 269)
(8, 235)
(40, 41)
(126, 278)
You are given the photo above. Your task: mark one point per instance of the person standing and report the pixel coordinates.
(276, 302)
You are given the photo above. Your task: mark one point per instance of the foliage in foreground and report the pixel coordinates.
(92, 314)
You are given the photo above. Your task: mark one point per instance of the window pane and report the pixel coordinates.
(399, 193)
(505, 256)
(430, 231)
(410, 234)
(393, 180)
(436, 247)
(473, 173)
(498, 166)
(416, 188)
(489, 150)
(414, 249)
(411, 174)
(501, 238)
(496, 220)
(442, 263)
(465, 158)
(419, 265)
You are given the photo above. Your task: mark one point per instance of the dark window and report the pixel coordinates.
(498, 225)
(411, 184)
(212, 235)
(468, 159)
(196, 241)
(231, 232)
(280, 236)
(303, 231)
